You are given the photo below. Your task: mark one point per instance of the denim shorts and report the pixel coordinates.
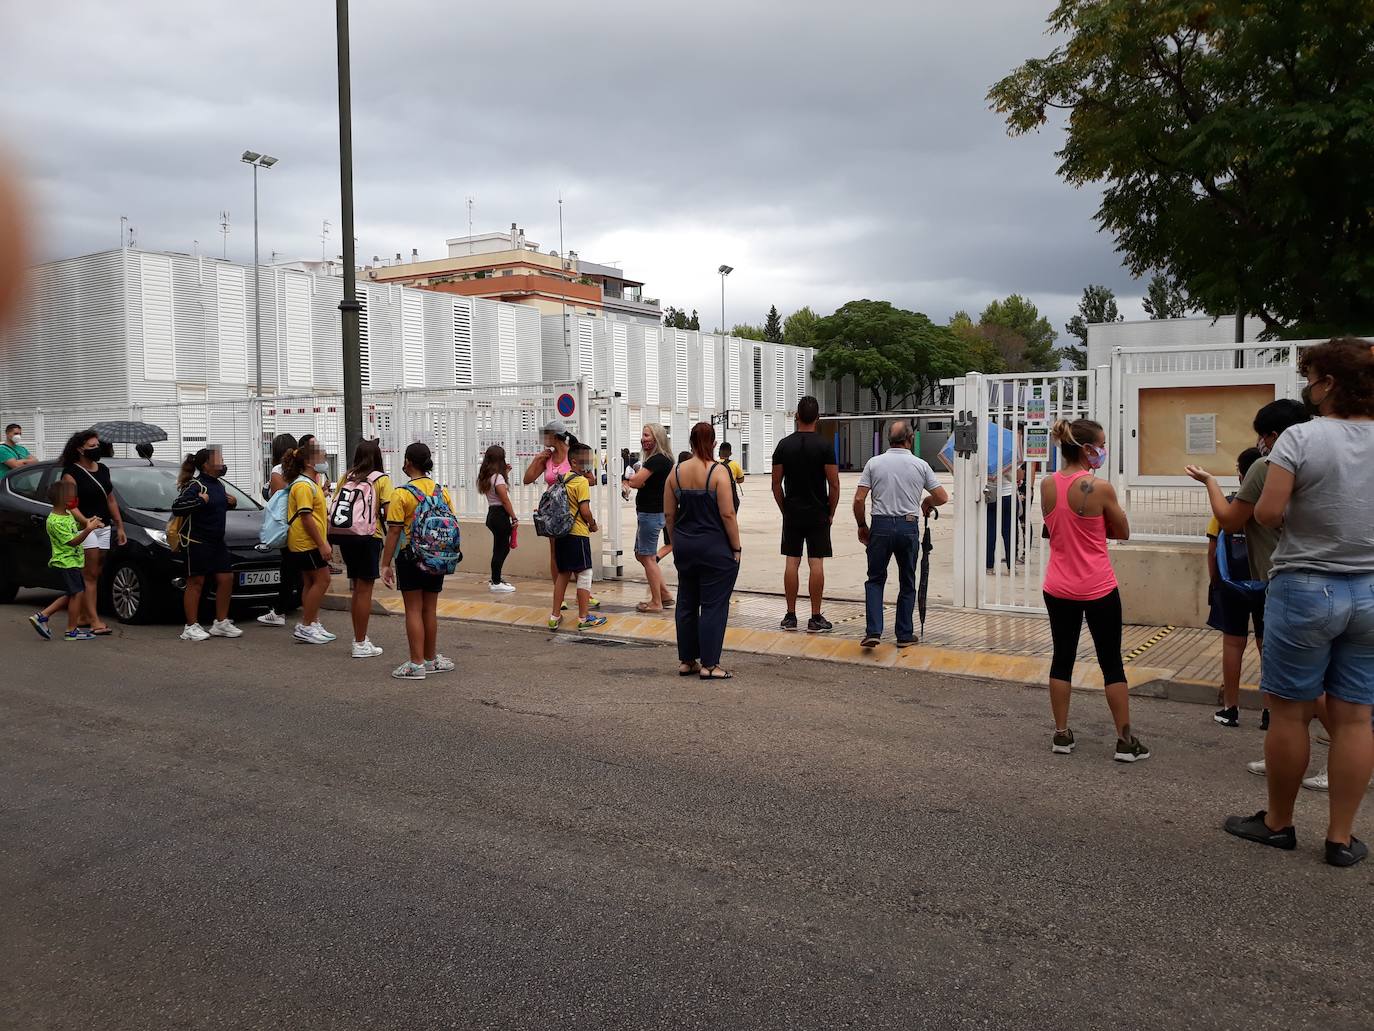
(1319, 637)
(648, 533)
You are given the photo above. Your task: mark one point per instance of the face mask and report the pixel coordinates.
(1313, 407)
(322, 467)
(91, 454)
(223, 470)
(16, 439)
(1263, 446)
(1097, 458)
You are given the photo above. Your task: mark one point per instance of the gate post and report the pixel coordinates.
(967, 495)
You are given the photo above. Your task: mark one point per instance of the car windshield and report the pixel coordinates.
(154, 488)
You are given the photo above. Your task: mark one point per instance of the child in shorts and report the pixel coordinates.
(67, 531)
(1232, 613)
(573, 553)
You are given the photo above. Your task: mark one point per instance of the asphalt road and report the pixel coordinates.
(258, 834)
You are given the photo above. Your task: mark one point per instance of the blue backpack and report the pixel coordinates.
(274, 521)
(434, 541)
(1233, 565)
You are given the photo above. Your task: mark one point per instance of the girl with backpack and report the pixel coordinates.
(550, 464)
(417, 516)
(501, 518)
(357, 523)
(307, 541)
(201, 506)
(290, 581)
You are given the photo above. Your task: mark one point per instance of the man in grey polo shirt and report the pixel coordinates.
(896, 479)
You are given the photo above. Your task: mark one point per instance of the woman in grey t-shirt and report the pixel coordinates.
(1319, 633)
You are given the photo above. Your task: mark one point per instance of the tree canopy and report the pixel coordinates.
(799, 328)
(1165, 298)
(1097, 305)
(772, 326)
(1023, 318)
(1235, 140)
(896, 354)
(677, 318)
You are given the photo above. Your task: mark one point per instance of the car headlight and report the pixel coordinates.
(160, 536)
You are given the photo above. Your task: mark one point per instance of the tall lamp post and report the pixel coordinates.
(257, 161)
(349, 307)
(724, 271)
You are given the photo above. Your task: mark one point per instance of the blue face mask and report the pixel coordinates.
(1097, 458)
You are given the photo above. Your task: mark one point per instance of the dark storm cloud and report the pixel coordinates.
(828, 153)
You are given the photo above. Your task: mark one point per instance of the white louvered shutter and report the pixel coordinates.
(364, 340)
(507, 363)
(651, 342)
(620, 357)
(680, 365)
(708, 371)
(412, 338)
(299, 354)
(586, 359)
(732, 365)
(159, 339)
(462, 344)
(231, 302)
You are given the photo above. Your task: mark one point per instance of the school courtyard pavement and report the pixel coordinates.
(562, 834)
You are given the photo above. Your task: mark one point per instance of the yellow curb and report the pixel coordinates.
(851, 651)
(1214, 684)
(783, 643)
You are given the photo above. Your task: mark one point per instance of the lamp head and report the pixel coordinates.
(267, 161)
(725, 270)
(250, 156)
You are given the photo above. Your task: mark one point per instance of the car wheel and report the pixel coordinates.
(131, 593)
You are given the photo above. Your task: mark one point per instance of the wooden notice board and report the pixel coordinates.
(1174, 421)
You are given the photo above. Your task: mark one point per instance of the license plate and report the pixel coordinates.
(260, 578)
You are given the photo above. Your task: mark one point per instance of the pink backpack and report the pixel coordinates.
(353, 512)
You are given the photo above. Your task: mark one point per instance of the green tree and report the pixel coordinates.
(695, 321)
(674, 318)
(747, 332)
(1023, 318)
(1234, 142)
(772, 326)
(1097, 305)
(799, 328)
(896, 354)
(1165, 298)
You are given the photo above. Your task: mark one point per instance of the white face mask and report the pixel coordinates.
(322, 467)
(16, 439)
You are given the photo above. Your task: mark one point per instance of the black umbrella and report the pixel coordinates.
(129, 432)
(924, 586)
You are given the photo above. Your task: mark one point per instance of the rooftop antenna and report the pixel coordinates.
(324, 242)
(224, 233)
(563, 263)
(123, 221)
(470, 201)
(195, 248)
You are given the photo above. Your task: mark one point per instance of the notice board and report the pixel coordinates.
(1174, 420)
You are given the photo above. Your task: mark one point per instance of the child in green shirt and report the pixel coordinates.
(66, 531)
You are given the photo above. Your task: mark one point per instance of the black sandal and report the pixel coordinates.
(693, 669)
(716, 673)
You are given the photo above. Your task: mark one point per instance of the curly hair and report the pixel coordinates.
(1349, 362)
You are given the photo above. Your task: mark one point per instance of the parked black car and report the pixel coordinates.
(143, 579)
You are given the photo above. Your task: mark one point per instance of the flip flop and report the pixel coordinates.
(718, 674)
(668, 603)
(644, 606)
(103, 631)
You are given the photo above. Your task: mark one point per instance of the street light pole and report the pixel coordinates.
(724, 271)
(349, 307)
(256, 160)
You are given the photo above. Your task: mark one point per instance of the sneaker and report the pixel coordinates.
(555, 621)
(1063, 743)
(1346, 855)
(819, 625)
(593, 603)
(907, 642)
(224, 628)
(591, 622)
(365, 649)
(270, 618)
(789, 621)
(1318, 782)
(439, 664)
(1131, 751)
(869, 641)
(1228, 717)
(319, 629)
(85, 635)
(194, 632)
(1256, 767)
(1253, 828)
(409, 671)
(40, 624)
(501, 588)
(308, 635)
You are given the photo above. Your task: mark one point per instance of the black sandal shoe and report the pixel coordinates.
(692, 670)
(716, 673)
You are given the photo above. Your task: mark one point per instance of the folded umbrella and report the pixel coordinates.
(923, 587)
(118, 432)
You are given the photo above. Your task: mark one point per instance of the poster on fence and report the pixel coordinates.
(1037, 447)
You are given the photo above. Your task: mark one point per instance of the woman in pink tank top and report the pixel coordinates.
(1081, 512)
(550, 464)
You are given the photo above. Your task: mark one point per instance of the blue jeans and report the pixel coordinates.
(889, 536)
(1319, 637)
(1004, 506)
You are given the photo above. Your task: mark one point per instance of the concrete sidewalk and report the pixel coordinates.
(1169, 662)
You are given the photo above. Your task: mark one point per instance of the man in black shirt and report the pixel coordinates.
(806, 486)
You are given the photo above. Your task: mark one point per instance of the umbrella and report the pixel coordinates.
(129, 432)
(1007, 455)
(924, 586)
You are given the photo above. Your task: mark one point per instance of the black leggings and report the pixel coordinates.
(498, 522)
(1104, 623)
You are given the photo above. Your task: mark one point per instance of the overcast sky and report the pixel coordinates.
(827, 152)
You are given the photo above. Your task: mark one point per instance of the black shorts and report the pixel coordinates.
(362, 556)
(208, 559)
(1232, 612)
(305, 561)
(811, 532)
(410, 577)
(572, 554)
(73, 583)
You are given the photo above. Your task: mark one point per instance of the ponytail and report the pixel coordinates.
(1073, 437)
(193, 464)
(293, 462)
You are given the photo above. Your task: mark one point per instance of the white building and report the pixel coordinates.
(1194, 331)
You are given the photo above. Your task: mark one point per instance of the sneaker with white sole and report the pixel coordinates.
(501, 588)
(439, 664)
(1131, 751)
(1256, 767)
(409, 671)
(308, 635)
(224, 628)
(194, 632)
(271, 618)
(1317, 782)
(365, 649)
(318, 627)
(1062, 743)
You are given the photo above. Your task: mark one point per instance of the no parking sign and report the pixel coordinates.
(566, 405)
